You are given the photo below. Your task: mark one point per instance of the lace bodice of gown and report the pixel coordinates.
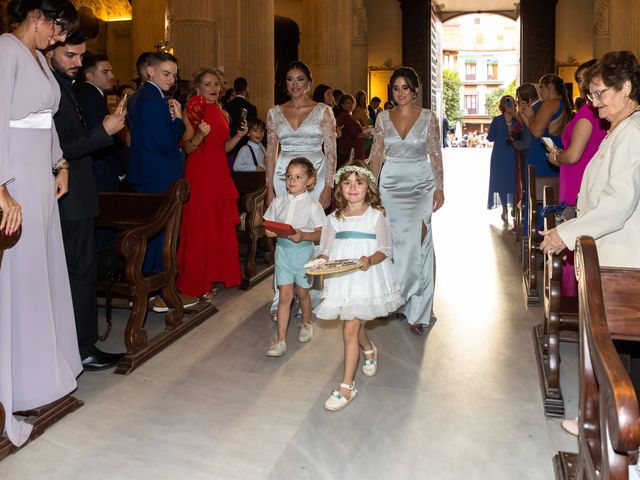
(316, 134)
(422, 141)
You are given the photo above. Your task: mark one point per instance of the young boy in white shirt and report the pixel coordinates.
(250, 158)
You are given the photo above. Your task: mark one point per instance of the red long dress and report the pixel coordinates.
(208, 248)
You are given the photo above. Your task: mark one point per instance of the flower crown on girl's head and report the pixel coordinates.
(353, 168)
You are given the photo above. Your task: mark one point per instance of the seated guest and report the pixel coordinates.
(250, 158)
(607, 207)
(352, 137)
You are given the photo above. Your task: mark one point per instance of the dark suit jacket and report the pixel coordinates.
(155, 160)
(78, 143)
(107, 164)
(234, 109)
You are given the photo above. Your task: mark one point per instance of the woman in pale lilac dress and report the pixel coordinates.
(39, 359)
(580, 142)
(407, 155)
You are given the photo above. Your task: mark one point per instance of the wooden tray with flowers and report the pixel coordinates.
(320, 267)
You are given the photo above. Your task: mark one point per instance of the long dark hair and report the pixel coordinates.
(318, 93)
(558, 86)
(61, 11)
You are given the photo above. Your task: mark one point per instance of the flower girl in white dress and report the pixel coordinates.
(357, 229)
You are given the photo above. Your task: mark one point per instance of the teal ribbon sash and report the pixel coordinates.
(353, 234)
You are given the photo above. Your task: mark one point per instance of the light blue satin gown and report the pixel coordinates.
(315, 139)
(411, 172)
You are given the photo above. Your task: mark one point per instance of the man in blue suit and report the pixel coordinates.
(156, 161)
(156, 127)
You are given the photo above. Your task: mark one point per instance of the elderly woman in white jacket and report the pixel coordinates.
(607, 207)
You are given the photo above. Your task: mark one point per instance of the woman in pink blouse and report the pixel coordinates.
(580, 139)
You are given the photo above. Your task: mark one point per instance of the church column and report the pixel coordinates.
(359, 48)
(194, 35)
(257, 51)
(147, 27)
(321, 40)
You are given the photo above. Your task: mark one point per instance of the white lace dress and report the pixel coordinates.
(362, 295)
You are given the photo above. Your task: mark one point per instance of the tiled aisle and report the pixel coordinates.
(462, 403)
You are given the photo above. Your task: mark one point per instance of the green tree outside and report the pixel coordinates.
(451, 96)
(493, 99)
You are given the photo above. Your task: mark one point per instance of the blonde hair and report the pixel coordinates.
(308, 167)
(372, 197)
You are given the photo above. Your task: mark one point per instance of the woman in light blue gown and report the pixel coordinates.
(407, 157)
(300, 127)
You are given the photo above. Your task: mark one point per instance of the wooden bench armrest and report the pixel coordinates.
(618, 401)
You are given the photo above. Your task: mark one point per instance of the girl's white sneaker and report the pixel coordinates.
(337, 401)
(370, 366)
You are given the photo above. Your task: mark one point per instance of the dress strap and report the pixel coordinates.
(353, 234)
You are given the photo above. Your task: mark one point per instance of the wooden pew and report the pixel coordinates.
(42, 417)
(560, 323)
(251, 206)
(138, 217)
(531, 241)
(609, 414)
(518, 199)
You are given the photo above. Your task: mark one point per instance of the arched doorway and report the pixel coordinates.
(421, 20)
(287, 39)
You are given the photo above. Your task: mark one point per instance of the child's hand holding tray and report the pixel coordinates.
(282, 230)
(321, 267)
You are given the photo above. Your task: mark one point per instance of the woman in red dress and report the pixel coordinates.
(208, 247)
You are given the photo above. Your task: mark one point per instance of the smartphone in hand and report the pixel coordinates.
(243, 118)
(548, 144)
(508, 102)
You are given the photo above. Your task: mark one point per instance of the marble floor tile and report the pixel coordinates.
(461, 402)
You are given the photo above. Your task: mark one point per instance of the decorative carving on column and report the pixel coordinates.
(359, 49)
(601, 34)
(360, 23)
(107, 9)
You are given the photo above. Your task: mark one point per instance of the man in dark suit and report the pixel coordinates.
(79, 207)
(98, 74)
(235, 106)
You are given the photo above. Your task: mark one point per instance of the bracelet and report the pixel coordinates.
(62, 164)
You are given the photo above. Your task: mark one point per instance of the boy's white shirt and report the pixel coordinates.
(244, 160)
(302, 211)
